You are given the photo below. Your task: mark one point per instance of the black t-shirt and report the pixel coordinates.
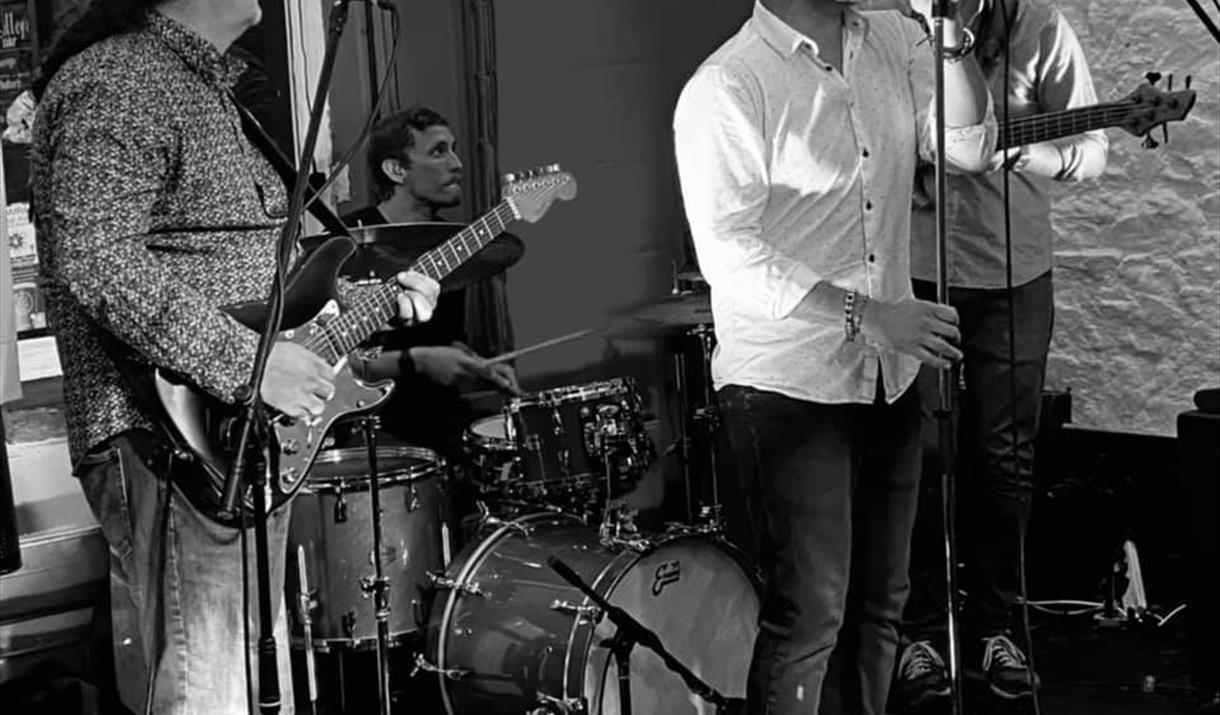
(423, 412)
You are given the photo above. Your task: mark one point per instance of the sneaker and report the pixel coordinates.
(922, 676)
(1005, 668)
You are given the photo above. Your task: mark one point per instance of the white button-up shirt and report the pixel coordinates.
(793, 174)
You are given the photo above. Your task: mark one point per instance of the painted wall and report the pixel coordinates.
(591, 86)
(1137, 327)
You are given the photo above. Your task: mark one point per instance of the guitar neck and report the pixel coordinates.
(1055, 125)
(373, 308)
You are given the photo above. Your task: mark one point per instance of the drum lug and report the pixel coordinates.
(533, 443)
(551, 705)
(441, 581)
(340, 514)
(421, 663)
(589, 613)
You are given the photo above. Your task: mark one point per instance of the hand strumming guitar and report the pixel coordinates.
(298, 382)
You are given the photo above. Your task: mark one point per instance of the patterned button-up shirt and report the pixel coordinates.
(793, 173)
(152, 209)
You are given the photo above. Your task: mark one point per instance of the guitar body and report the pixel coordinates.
(210, 428)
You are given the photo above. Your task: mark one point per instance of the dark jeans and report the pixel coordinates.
(831, 493)
(994, 476)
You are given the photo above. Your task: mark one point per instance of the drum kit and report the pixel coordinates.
(557, 604)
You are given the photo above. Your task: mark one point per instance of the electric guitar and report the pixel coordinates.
(207, 427)
(1139, 113)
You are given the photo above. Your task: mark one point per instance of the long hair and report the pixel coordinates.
(102, 19)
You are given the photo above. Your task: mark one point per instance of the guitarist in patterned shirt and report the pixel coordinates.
(153, 210)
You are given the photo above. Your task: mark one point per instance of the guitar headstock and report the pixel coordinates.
(1156, 107)
(532, 192)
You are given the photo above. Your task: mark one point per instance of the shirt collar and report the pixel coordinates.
(197, 53)
(786, 39)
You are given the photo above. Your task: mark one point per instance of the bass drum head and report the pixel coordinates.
(699, 601)
(508, 638)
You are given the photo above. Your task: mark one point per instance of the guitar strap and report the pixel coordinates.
(283, 166)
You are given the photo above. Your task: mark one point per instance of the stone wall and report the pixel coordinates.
(1138, 250)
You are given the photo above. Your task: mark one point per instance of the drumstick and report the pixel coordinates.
(513, 355)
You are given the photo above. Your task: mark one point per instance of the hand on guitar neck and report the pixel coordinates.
(298, 382)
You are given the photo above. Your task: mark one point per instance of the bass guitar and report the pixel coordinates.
(316, 319)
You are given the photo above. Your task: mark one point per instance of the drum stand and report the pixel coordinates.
(631, 632)
(378, 585)
(707, 417)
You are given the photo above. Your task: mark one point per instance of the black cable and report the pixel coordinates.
(390, 69)
(1023, 516)
(245, 622)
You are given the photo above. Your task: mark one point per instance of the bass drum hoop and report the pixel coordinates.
(573, 682)
(432, 462)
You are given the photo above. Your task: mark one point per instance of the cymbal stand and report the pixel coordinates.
(379, 584)
(707, 415)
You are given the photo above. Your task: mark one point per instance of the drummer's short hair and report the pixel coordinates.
(392, 139)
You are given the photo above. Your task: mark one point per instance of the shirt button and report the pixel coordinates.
(865, 153)
(872, 258)
(868, 205)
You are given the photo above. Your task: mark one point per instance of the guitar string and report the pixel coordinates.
(365, 302)
(1028, 128)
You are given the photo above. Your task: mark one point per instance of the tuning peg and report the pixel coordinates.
(1152, 77)
(510, 178)
(554, 168)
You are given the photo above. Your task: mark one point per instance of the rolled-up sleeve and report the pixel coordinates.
(968, 149)
(722, 167)
(1066, 83)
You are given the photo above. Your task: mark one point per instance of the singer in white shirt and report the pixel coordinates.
(796, 144)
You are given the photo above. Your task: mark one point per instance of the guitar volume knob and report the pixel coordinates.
(290, 446)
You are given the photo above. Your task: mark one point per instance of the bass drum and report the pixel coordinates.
(511, 636)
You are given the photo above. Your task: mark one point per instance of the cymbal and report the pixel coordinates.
(685, 309)
(382, 251)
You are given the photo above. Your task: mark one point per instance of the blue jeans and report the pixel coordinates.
(175, 585)
(831, 493)
(994, 472)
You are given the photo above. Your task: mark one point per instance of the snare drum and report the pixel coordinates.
(332, 520)
(512, 636)
(569, 436)
(493, 453)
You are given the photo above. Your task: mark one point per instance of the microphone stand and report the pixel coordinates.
(254, 436)
(946, 383)
(629, 633)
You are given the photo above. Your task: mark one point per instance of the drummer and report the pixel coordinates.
(417, 173)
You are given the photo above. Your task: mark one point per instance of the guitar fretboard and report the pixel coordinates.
(371, 309)
(1045, 127)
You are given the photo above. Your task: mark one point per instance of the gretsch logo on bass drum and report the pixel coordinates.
(667, 573)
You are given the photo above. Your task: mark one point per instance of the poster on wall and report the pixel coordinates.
(17, 49)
